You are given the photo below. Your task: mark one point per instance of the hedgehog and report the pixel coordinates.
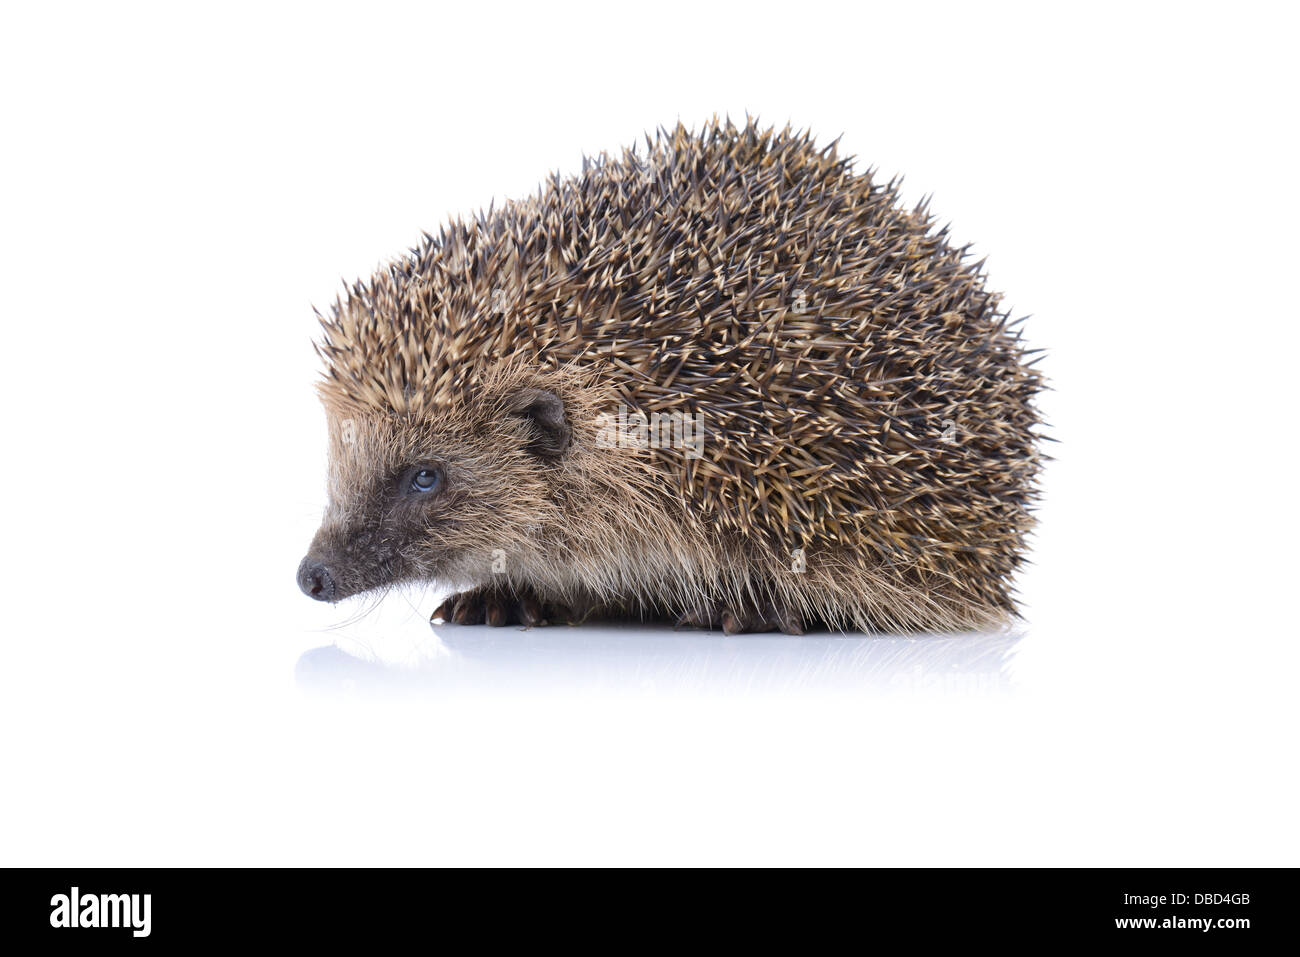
(724, 381)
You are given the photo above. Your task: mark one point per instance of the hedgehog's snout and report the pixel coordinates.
(315, 580)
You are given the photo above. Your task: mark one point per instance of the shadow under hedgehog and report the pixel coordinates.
(507, 405)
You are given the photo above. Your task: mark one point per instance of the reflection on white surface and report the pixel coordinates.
(651, 660)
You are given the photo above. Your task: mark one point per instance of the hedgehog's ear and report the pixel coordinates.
(545, 414)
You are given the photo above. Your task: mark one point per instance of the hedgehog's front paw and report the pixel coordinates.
(497, 607)
(768, 617)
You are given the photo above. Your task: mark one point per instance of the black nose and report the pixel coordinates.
(315, 580)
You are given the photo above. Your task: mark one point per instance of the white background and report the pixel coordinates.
(180, 187)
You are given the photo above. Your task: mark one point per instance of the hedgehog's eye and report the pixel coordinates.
(424, 480)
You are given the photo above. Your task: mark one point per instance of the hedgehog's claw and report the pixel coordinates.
(770, 617)
(488, 605)
(784, 620)
(495, 612)
(530, 612)
(706, 616)
(469, 609)
(713, 617)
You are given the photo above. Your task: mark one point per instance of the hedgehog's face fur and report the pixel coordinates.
(434, 496)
